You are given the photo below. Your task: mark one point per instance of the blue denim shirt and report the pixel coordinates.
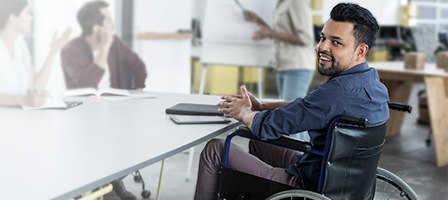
(356, 92)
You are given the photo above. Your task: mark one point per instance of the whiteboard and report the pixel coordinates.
(226, 37)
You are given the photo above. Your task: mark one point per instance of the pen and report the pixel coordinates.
(239, 4)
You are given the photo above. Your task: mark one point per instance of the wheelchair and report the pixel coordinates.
(350, 175)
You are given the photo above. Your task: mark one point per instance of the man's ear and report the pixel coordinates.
(361, 51)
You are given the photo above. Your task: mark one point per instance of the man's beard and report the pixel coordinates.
(334, 70)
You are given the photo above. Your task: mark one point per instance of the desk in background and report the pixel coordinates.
(399, 81)
(58, 154)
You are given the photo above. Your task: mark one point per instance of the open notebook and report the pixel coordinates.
(93, 91)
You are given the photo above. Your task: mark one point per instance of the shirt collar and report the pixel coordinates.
(356, 69)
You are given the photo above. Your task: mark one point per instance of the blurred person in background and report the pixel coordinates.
(294, 53)
(98, 58)
(20, 82)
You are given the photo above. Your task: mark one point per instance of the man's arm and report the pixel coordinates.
(273, 105)
(81, 71)
(258, 105)
(106, 37)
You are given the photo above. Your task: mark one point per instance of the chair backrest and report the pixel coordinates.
(352, 159)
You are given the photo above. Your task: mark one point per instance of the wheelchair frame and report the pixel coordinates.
(389, 178)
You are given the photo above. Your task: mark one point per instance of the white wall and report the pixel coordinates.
(386, 12)
(167, 60)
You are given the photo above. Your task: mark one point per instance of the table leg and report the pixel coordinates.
(160, 180)
(399, 91)
(437, 94)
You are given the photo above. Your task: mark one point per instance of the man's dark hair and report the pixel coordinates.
(90, 15)
(8, 8)
(365, 25)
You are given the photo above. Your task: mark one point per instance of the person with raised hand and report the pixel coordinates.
(20, 83)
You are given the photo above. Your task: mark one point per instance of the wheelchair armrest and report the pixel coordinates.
(400, 107)
(346, 119)
(286, 142)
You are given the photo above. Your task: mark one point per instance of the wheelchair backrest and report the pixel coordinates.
(352, 159)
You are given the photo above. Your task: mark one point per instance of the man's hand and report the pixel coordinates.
(257, 105)
(106, 35)
(238, 107)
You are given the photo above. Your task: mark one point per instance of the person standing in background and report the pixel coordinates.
(20, 83)
(294, 53)
(295, 57)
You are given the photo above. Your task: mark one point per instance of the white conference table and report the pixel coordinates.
(58, 154)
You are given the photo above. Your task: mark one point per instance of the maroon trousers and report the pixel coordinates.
(263, 160)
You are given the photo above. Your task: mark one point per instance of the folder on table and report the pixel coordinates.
(194, 109)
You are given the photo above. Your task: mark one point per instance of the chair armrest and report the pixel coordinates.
(400, 107)
(283, 141)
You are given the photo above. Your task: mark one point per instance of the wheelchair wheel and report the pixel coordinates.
(390, 186)
(300, 194)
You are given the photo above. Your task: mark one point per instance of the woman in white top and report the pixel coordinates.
(294, 53)
(294, 56)
(20, 84)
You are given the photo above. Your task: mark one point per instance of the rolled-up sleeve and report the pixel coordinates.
(302, 20)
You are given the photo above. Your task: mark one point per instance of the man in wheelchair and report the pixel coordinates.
(353, 89)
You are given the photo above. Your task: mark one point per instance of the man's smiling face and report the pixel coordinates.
(337, 50)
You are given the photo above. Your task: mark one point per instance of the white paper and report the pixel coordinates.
(132, 96)
(49, 103)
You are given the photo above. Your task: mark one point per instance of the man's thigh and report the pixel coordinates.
(243, 161)
(273, 155)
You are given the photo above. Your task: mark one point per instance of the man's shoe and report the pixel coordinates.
(121, 191)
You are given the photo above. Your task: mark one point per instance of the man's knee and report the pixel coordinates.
(213, 150)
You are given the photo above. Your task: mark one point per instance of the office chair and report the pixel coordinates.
(349, 166)
(139, 179)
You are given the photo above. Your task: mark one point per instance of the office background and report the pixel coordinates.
(153, 27)
(166, 54)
